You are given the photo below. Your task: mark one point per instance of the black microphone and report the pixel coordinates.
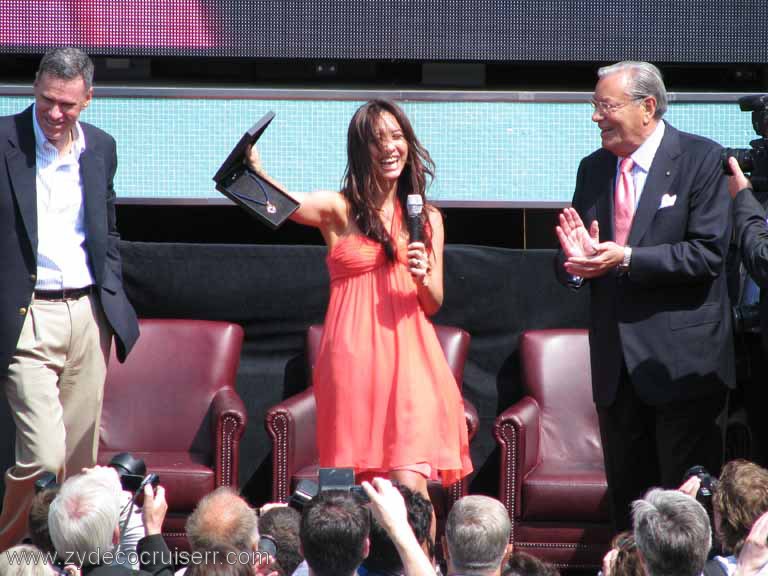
(414, 207)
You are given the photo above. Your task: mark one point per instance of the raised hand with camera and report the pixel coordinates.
(737, 181)
(750, 227)
(388, 507)
(154, 509)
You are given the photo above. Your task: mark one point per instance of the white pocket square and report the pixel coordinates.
(667, 201)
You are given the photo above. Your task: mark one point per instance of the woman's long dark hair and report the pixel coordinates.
(359, 186)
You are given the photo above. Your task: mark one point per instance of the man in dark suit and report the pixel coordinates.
(61, 293)
(657, 207)
(751, 236)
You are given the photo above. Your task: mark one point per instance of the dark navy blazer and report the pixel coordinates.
(18, 232)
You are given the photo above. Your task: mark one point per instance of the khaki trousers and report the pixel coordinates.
(55, 387)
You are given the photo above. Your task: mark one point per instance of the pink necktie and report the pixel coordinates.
(624, 202)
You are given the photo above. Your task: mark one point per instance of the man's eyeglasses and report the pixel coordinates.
(608, 108)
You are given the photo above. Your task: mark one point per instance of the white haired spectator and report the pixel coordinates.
(24, 560)
(672, 532)
(84, 519)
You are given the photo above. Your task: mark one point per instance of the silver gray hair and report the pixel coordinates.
(83, 516)
(644, 80)
(25, 560)
(672, 532)
(477, 533)
(67, 63)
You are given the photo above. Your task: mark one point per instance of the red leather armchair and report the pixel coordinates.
(552, 474)
(291, 424)
(173, 404)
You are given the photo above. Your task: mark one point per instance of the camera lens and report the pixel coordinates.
(743, 157)
(267, 544)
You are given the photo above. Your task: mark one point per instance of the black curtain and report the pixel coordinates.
(276, 291)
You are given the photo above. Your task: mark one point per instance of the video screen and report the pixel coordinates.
(707, 31)
(112, 27)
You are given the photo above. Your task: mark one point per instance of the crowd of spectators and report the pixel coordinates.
(80, 528)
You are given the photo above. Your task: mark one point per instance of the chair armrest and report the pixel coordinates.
(228, 420)
(292, 426)
(472, 418)
(517, 433)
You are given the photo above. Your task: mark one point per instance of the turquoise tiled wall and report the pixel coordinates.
(484, 151)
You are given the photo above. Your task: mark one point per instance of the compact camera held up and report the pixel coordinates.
(707, 487)
(328, 479)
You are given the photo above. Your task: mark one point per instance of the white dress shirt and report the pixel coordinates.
(62, 258)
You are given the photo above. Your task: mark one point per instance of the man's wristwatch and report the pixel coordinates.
(624, 266)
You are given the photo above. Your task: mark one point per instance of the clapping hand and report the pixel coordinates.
(586, 256)
(574, 238)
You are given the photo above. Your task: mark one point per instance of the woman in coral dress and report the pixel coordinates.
(387, 402)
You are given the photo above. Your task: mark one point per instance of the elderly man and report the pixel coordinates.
(648, 232)
(61, 293)
(84, 523)
(223, 517)
(672, 532)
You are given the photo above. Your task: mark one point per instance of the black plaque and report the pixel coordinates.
(257, 195)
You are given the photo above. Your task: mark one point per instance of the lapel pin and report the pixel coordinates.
(669, 173)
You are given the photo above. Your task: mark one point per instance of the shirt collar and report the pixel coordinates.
(643, 156)
(78, 144)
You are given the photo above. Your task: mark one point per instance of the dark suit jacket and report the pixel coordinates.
(669, 318)
(751, 234)
(18, 231)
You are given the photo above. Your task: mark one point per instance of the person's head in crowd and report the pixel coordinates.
(384, 557)
(223, 518)
(84, 517)
(282, 524)
(524, 564)
(221, 560)
(39, 534)
(334, 533)
(740, 498)
(24, 560)
(624, 556)
(63, 88)
(629, 101)
(672, 532)
(383, 151)
(477, 536)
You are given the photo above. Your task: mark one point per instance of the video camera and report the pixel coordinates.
(328, 479)
(753, 160)
(132, 472)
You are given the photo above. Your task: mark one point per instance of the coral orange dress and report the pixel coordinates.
(386, 397)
